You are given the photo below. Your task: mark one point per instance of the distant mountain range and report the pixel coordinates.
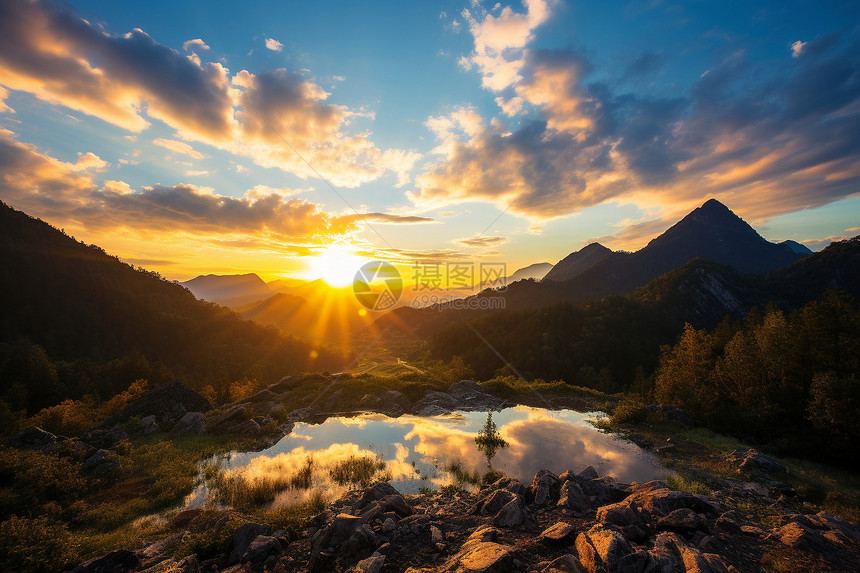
(229, 290)
(729, 253)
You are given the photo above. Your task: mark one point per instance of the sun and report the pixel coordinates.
(336, 266)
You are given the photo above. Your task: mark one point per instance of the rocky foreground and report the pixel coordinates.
(567, 523)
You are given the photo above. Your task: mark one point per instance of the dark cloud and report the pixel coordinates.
(768, 138)
(645, 65)
(482, 241)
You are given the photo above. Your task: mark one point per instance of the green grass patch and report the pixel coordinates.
(359, 470)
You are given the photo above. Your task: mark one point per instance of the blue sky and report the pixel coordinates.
(175, 134)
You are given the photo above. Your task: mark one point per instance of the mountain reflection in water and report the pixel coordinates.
(418, 452)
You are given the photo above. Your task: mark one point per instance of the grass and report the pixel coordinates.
(462, 475)
(358, 470)
(679, 483)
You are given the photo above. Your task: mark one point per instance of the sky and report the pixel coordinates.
(197, 137)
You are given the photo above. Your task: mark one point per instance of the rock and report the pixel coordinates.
(247, 429)
(101, 457)
(242, 539)
(389, 525)
(671, 550)
(497, 500)
(485, 533)
(148, 425)
(601, 549)
(572, 498)
(191, 424)
(260, 548)
(372, 564)
(33, 438)
(620, 514)
(729, 522)
(119, 561)
(436, 535)
(671, 414)
(167, 403)
(360, 544)
(544, 488)
(479, 556)
(435, 403)
(749, 460)
(393, 403)
(261, 396)
(513, 513)
(557, 532)
(376, 492)
(104, 439)
(588, 473)
(847, 529)
(660, 502)
(684, 521)
(567, 563)
(801, 537)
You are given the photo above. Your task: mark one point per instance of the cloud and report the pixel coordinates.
(274, 45)
(797, 49)
(178, 147)
(765, 138)
(499, 40)
(130, 80)
(90, 161)
(482, 241)
(68, 194)
(195, 43)
(195, 172)
(4, 107)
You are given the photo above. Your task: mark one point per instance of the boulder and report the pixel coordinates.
(393, 403)
(601, 549)
(33, 438)
(800, 536)
(671, 414)
(119, 561)
(247, 429)
(544, 488)
(567, 563)
(243, 537)
(481, 554)
(372, 564)
(192, 423)
(168, 403)
(572, 498)
(148, 425)
(435, 403)
(749, 460)
(657, 501)
(588, 473)
(260, 549)
(104, 439)
(513, 513)
(684, 521)
(496, 501)
(102, 458)
(559, 531)
(620, 514)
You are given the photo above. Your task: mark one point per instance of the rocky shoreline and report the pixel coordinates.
(573, 522)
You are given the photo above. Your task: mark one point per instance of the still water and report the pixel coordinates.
(417, 453)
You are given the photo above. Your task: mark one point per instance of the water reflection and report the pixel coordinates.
(417, 453)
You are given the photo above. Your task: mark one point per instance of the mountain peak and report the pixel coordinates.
(714, 205)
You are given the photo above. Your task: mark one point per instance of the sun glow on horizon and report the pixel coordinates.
(336, 266)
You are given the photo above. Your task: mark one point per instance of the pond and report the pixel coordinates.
(424, 454)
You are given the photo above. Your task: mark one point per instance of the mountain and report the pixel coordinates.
(836, 266)
(78, 321)
(715, 233)
(536, 271)
(711, 232)
(284, 284)
(578, 262)
(314, 309)
(796, 247)
(229, 290)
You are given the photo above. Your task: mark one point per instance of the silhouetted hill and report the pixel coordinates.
(837, 266)
(75, 310)
(578, 262)
(229, 290)
(797, 247)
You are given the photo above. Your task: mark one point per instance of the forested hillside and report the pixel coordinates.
(77, 321)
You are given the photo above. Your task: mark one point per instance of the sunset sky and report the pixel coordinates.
(200, 137)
